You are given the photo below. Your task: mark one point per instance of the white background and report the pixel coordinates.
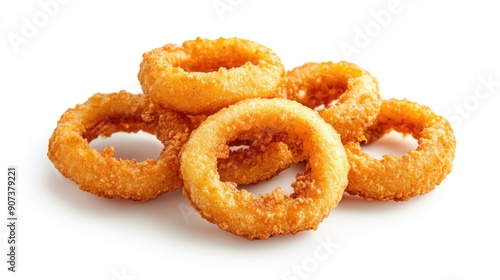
(436, 54)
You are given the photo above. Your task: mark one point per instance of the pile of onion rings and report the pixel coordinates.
(228, 113)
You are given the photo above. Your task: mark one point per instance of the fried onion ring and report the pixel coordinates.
(259, 162)
(101, 173)
(355, 90)
(316, 192)
(202, 76)
(417, 172)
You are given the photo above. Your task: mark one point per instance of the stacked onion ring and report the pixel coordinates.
(202, 76)
(347, 95)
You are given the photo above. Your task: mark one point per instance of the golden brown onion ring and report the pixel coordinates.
(202, 76)
(415, 173)
(316, 191)
(355, 90)
(101, 173)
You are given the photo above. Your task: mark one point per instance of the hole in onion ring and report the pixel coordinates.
(284, 180)
(234, 148)
(393, 143)
(139, 146)
(213, 64)
(323, 106)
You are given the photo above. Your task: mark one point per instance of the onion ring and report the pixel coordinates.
(202, 76)
(355, 90)
(101, 173)
(316, 192)
(401, 177)
(259, 162)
